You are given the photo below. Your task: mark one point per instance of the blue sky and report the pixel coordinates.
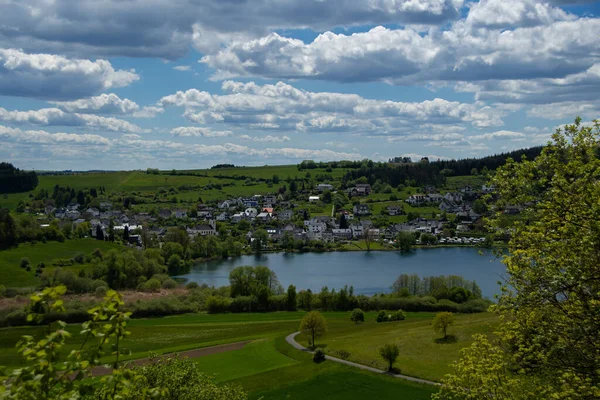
(107, 84)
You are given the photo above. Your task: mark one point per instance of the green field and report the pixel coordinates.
(420, 355)
(12, 275)
(270, 368)
(256, 357)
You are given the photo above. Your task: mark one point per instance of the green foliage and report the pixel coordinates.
(405, 240)
(442, 322)
(177, 378)
(291, 298)
(319, 355)
(357, 316)
(547, 344)
(390, 352)
(314, 325)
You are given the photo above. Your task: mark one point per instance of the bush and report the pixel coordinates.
(343, 354)
(381, 316)
(169, 284)
(319, 355)
(397, 316)
(101, 292)
(244, 304)
(78, 258)
(357, 316)
(216, 304)
(192, 285)
(152, 285)
(25, 263)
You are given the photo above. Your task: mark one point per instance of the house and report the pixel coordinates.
(285, 215)
(251, 213)
(250, 202)
(448, 206)
(357, 231)
(272, 200)
(467, 191)
(224, 216)
(313, 199)
(227, 204)
(453, 197)
(238, 217)
(73, 207)
(268, 210)
(434, 198)
(361, 209)
(106, 205)
(264, 216)
(321, 187)
(488, 189)
(180, 214)
(318, 227)
(363, 188)
(94, 212)
(394, 210)
(342, 234)
(72, 214)
(164, 213)
(60, 212)
(416, 199)
(208, 229)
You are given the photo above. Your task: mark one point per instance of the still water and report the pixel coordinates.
(368, 272)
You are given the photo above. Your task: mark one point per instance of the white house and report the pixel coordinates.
(321, 187)
(362, 209)
(313, 199)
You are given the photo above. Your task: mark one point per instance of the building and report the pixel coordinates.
(321, 187)
(394, 210)
(313, 199)
(361, 209)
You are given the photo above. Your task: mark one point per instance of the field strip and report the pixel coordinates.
(291, 339)
(195, 353)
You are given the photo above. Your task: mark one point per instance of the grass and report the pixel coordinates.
(256, 357)
(420, 355)
(12, 275)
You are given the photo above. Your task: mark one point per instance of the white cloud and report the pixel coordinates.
(43, 137)
(165, 29)
(498, 135)
(102, 104)
(268, 138)
(513, 13)
(56, 117)
(193, 131)
(283, 107)
(183, 68)
(53, 77)
(402, 56)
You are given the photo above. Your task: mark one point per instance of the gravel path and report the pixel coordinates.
(207, 351)
(291, 339)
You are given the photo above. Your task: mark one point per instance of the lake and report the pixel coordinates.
(368, 272)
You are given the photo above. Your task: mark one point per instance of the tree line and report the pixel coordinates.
(14, 180)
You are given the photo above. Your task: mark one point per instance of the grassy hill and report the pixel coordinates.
(12, 275)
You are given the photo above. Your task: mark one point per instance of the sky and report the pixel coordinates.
(135, 84)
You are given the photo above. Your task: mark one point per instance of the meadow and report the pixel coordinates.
(12, 275)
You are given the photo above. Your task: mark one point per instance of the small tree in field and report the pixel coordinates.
(357, 316)
(442, 322)
(313, 324)
(389, 353)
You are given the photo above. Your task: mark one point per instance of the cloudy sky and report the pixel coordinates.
(114, 84)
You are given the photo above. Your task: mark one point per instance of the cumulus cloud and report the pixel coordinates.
(163, 28)
(403, 56)
(194, 131)
(54, 77)
(283, 107)
(102, 104)
(498, 135)
(56, 117)
(43, 137)
(268, 138)
(513, 13)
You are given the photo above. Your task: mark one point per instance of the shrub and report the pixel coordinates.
(389, 353)
(343, 354)
(101, 292)
(244, 304)
(169, 284)
(2, 291)
(357, 316)
(152, 285)
(319, 355)
(192, 285)
(78, 258)
(397, 316)
(381, 316)
(25, 263)
(216, 304)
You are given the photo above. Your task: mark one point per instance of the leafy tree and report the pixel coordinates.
(479, 206)
(390, 353)
(25, 263)
(8, 229)
(305, 299)
(357, 316)
(99, 232)
(547, 342)
(287, 241)
(405, 241)
(326, 197)
(261, 239)
(174, 265)
(442, 321)
(126, 234)
(291, 298)
(314, 325)
(343, 222)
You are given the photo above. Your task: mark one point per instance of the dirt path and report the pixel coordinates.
(196, 353)
(291, 339)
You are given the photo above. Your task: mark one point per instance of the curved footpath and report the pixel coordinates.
(291, 339)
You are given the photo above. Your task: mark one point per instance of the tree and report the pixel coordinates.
(291, 298)
(405, 241)
(479, 206)
(305, 298)
(99, 232)
(369, 237)
(549, 331)
(357, 316)
(261, 239)
(390, 353)
(287, 241)
(25, 263)
(174, 265)
(8, 229)
(442, 321)
(326, 197)
(343, 221)
(126, 234)
(314, 325)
